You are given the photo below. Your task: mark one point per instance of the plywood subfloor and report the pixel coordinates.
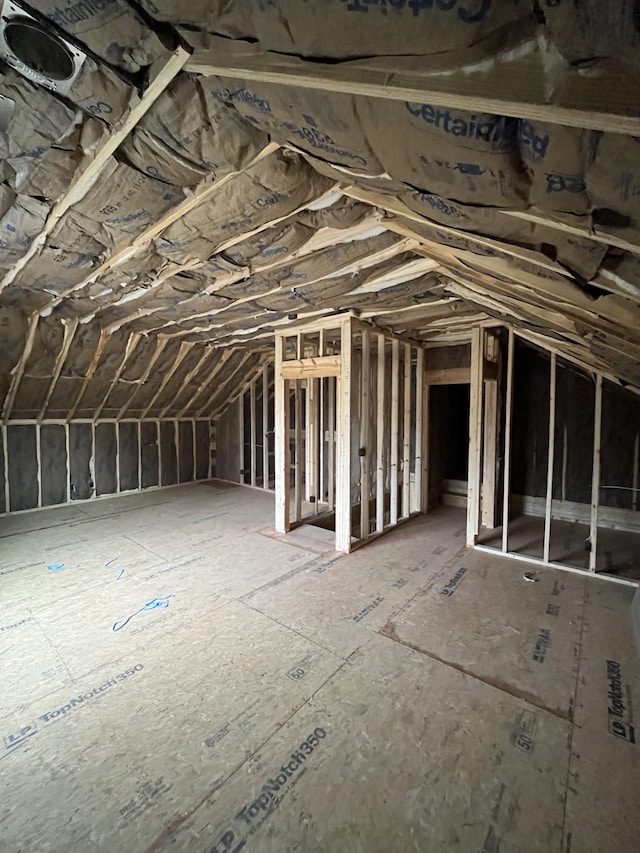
(275, 696)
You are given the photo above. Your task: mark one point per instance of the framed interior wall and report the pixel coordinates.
(350, 429)
(564, 465)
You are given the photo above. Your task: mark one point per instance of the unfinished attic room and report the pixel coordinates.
(320, 426)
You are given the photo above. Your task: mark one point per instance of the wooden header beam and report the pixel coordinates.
(311, 368)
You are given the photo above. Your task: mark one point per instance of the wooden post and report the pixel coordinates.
(321, 433)
(241, 437)
(308, 443)
(140, 455)
(406, 438)
(550, 456)
(39, 464)
(489, 456)
(380, 410)
(419, 455)
(395, 369)
(282, 453)
(332, 384)
(252, 427)
(475, 435)
(7, 497)
(343, 464)
(595, 477)
(636, 449)
(265, 426)
(364, 434)
(313, 391)
(507, 444)
(565, 453)
(426, 408)
(67, 445)
(298, 448)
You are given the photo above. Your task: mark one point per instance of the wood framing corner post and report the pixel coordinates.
(475, 436)
(343, 448)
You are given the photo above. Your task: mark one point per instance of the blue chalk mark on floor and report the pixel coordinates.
(56, 567)
(150, 605)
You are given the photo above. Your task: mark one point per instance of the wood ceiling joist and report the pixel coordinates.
(531, 81)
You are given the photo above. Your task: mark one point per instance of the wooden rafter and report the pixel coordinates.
(112, 139)
(206, 354)
(531, 82)
(161, 343)
(132, 342)
(180, 356)
(70, 327)
(102, 342)
(18, 370)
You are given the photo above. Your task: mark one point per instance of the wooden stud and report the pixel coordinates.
(506, 490)
(550, 456)
(252, 427)
(419, 456)
(7, 496)
(67, 445)
(395, 369)
(343, 460)
(314, 439)
(282, 451)
(475, 436)
(298, 479)
(426, 458)
(565, 455)
(332, 383)
(38, 465)
(365, 461)
(117, 430)
(490, 453)
(636, 455)
(380, 433)
(321, 441)
(595, 476)
(139, 455)
(308, 442)
(240, 401)
(193, 447)
(406, 438)
(265, 426)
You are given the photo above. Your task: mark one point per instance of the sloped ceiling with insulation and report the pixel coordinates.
(220, 169)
